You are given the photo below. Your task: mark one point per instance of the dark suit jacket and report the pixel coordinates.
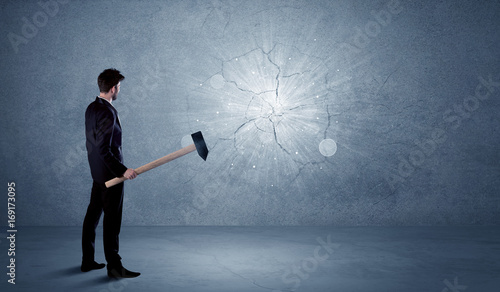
(104, 141)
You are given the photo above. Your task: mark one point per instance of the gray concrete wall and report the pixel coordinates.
(315, 112)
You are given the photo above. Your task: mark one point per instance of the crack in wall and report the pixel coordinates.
(281, 94)
(216, 8)
(276, 110)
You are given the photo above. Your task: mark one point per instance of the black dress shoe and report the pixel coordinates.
(86, 267)
(121, 272)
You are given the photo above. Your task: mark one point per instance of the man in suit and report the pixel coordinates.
(104, 139)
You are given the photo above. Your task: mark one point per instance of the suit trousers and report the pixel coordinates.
(109, 201)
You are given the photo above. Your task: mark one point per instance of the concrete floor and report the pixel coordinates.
(266, 259)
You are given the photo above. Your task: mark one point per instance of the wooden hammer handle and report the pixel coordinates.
(153, 164)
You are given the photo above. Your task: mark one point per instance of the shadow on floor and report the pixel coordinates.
(71, 271)
(76, 280)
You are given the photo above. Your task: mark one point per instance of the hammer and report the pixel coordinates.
(199, 145)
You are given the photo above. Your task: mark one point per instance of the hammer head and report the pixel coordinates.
(199, 142)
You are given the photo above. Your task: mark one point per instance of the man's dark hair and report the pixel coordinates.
(109, 78)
